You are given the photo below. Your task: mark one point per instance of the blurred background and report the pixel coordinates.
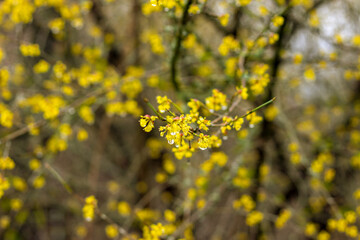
(73, 79)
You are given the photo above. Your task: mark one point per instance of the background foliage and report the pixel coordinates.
(80, 81)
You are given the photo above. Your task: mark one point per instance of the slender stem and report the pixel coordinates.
(177, 108)
(58, 177)
(248, 113)
(257, 108)
(153, 108)
(171, 113)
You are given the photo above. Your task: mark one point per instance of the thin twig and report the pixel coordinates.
(257, 108)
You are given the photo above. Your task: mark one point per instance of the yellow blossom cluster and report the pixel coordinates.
(283, 217)
(89, 208)
(260, 79)
(180, 129)
(344, 225)
(4, 184)
(242, 179)
(155, 42)
(245, 202)
(18, 11)
(227, 45)
(154, 232)
(6, 163)
(30, 50)
(49, 106)
(6, 116)
(254, 218)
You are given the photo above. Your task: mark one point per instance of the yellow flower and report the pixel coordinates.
(243, 2)
(297, 59)
(82, 135)
(229, 43)
(1, 55)
(131, 88)
(277, 21)
(207, 166)
(155, 232)
(242, 179)
(310, 229)
(219, 158)
(161, 177)
(19, 184)
(34, 164)
(203, 123)
(224, 19)
(56, 144)
(352, 231)
(169, 166)
(164, 103)
(323, 235)
(314, 19)
(89, 208)
(124, 208)
(194, 9)
(6, 117)
(204, 141)
(153, 81)
(283, 217)
(200, 204)
(253, 119)
(293, 147)
(38, 182)
(356, 40)
(271, 112)
(16, 204)
(201, 181)
(4, 222)
(309, 74)
(254, 218)
(111, 231)
(4, 184)
(243, 91)
(56, 25)
(217, 101)
(238, 123)
(329, 175)
(6, 163)
(30, 50)
(41, 67)
(263, 10)
(350, 217)
(147, 122)
(295, 158)
(191, 194)
(86, 114)
(155, 41)
(189, 41)
(338, 38)
(65, 130)
(67, 90)
(231, 66)
(169, 215)
(154, 2)
(273, 38)
(183, 151)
